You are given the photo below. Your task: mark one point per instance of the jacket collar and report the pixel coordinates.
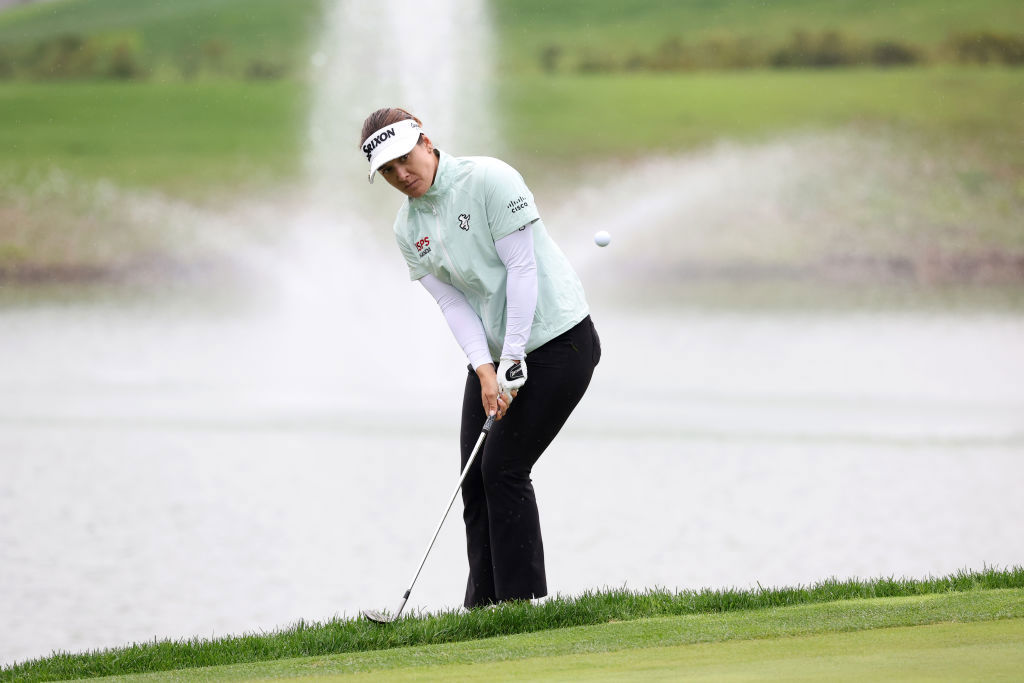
(442, 179)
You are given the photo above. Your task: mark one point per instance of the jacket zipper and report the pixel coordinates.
(444, 249)
(451, 263)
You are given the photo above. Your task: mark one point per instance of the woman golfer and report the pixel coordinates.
(471, 235)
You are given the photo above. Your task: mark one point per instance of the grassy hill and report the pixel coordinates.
(166, 135)
(569, 115)
(181, 39)
(548, 117)
(264, 38)
(617, 29)
(206, 99)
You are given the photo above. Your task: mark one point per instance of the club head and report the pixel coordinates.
(375, 616)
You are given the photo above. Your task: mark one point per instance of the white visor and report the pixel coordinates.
(390, 142)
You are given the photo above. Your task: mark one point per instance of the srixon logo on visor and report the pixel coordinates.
(374, 142)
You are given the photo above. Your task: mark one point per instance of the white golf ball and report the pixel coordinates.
(602, 238)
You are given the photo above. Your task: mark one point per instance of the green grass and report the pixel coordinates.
(796, 637)
(175, 32)
(569, 117)
(279, 31)
(619, 28)
(186, 136)
(207, 141)
(181, 138)
(210, 138)
(951, 652)
(351, 635)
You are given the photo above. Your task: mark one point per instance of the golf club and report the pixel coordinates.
(381, 618)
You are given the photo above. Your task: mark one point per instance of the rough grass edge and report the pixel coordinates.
(351, 634)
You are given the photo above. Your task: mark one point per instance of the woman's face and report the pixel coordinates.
(412, 174)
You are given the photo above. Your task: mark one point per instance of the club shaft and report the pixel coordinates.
(465, 471)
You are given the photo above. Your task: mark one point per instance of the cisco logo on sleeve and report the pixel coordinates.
(518, 204)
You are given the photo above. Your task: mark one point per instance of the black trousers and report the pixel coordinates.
(506, 554)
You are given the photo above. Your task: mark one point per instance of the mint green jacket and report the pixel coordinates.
(450, 232)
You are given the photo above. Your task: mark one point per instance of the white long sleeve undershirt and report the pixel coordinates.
(462, 319)
(516, 252)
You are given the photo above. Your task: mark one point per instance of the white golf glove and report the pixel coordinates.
(511, 375)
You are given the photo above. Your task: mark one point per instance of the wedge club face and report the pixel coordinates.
(375, 616)
(381, 618)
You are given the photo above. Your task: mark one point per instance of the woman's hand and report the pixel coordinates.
(494, 403)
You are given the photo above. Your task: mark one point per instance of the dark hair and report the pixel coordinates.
(385, 117)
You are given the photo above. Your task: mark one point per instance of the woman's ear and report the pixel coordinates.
(428, 144)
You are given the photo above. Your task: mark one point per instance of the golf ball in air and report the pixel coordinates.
(602, 238)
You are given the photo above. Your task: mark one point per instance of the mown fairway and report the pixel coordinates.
(180, 138)
(185, 138)
(950, 652)
(577, 115)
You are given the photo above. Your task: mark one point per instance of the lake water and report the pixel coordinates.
(170, 470)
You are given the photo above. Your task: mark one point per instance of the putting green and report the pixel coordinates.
(973, 651)
(968, 634)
